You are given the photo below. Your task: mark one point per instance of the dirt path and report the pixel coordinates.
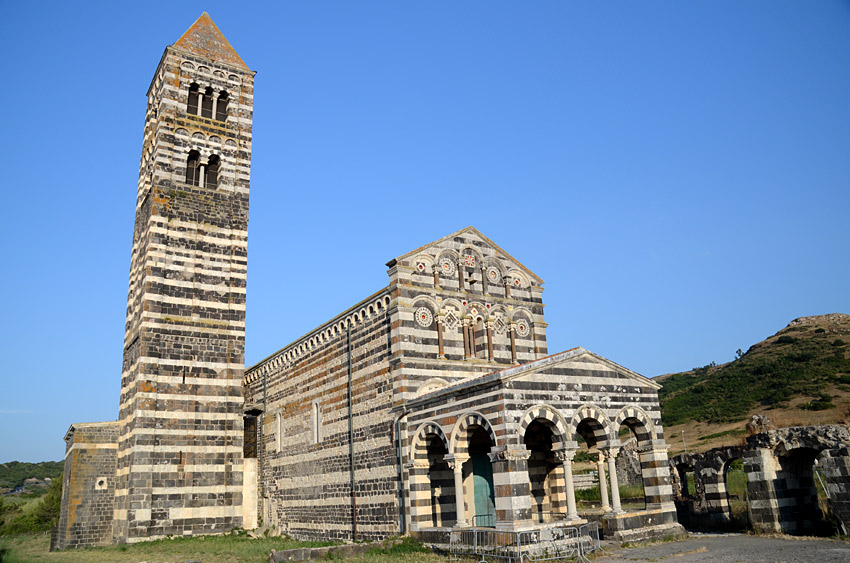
(729, 548)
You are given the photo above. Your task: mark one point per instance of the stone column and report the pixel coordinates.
(512, 486)
(483, 281)
(466, 345)
(203, 171)
(603, 482)
(490, 340)
(507, 287)
(615, 485)
(511, 330)
(441, 352)
(436, 275)
(460, 273)
(656, 478)
(456, 464)
(566, 458)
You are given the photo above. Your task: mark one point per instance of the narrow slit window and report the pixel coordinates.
(278, 432)
(317, 423)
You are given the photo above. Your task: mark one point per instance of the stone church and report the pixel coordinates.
(432, 404)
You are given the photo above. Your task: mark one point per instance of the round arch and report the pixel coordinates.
(599, 423)
(636, 419)
(549, 414)
(458, 442)
(419, 447)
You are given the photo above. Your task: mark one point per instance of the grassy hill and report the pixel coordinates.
(805, 367)
(13, 473)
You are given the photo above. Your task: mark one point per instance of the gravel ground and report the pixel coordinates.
(733, 548)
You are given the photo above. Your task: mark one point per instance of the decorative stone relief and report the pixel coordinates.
(424, 317)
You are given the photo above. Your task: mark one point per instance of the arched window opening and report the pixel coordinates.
(221, 106)
(207, 103)
(213, 166)
(193, 169)
(194, 99)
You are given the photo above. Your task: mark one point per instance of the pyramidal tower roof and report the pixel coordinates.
(204, 39)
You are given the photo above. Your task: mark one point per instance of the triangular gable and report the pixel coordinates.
(204, 39)
(542, 364)
(476, 232)
(572, 356)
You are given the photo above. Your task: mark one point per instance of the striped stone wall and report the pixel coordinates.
(303, 393)
(465, 308)
(179, 464)
(560, 392)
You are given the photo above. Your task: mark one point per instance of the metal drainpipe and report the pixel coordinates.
(400, 441)
(261, 446)
(351, 444)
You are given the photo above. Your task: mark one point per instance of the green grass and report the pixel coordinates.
(594, 494)
(237, 548)
(733, 432)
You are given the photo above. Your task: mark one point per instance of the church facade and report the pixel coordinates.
(432, 404)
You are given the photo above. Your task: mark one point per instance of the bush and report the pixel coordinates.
(41, 517)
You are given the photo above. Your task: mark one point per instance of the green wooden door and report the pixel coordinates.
(482, 480)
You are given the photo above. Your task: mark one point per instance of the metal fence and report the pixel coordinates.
(544, 544)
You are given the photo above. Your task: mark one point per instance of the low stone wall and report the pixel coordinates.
(836, 470)
(642, 525)
(331, 552)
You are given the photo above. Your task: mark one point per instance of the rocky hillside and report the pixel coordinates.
(804, 365)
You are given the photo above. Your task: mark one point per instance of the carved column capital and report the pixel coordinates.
(514, 454)
(455, 461)
(565, 455)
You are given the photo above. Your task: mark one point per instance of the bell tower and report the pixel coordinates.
(179, 455)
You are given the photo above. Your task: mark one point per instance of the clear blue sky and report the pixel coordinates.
(677, 172)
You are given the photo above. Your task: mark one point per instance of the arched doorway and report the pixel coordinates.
(733, 488)
(545, 473)
(590, 434)
(478, 478)
(441, 484)
(800, 509)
